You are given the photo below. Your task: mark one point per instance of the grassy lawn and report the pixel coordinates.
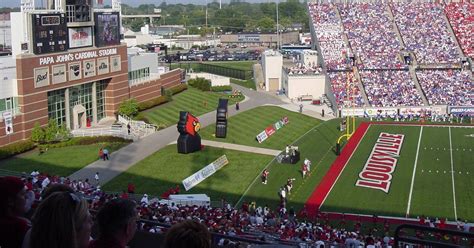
(167, 168)
(193, 100)
(57, 161)
(244, 127)
(245, 83)
(318, 146)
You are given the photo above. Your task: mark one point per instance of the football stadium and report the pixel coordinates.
(361, 137)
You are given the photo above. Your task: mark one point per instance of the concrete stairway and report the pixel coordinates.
(412, 71)
(395, 27)
(360, 85)
(451, 31)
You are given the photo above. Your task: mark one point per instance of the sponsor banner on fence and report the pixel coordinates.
(352, 112)
(465, 110)
(373, 112)
(205, 172)
(270, 130)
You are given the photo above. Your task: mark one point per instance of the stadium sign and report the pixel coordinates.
(377, 172)
(465, 110)
(70, 57)
(205, 172)
(270, 130)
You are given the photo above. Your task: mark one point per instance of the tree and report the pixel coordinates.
(51, 131)
(37, 134)
(128, 107)
(266, 24)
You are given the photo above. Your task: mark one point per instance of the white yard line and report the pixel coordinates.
(414, 171)
(452, 174)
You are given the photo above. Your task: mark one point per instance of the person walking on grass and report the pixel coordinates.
(101, 153)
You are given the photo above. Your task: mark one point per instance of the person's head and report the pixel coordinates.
(61, 220)
(188, 234)
(56, 187)
(117, 219)
(13, 191)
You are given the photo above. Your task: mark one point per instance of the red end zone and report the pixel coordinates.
(318, 196)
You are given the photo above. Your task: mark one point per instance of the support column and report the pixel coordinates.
(68, 108)
(94, 103)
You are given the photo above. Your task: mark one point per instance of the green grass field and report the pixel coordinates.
(193, 100)
(167, 168)
(57, 161)
(244, 127)
(435, 190)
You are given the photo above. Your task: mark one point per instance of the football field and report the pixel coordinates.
(407, 171)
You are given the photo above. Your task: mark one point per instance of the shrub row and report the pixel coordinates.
(166, 97)
(200, 83)
(221, 88)
(16, 148)
(82, 141)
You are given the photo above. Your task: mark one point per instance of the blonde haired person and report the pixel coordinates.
(61, 220)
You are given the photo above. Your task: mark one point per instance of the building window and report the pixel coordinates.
(100, 94)
(57, 106)
(81, 95)
(139, 75)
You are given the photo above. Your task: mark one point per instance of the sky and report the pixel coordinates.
(16, 3)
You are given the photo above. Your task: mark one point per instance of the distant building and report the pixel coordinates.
(5, 30)
(260, 39)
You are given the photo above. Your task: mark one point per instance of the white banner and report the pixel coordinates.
(380, 111)
(352, 112)
(205, 172)
(7, 118)
(80, 37)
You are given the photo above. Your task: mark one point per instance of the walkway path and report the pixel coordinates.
(126, 157)
(242, 148)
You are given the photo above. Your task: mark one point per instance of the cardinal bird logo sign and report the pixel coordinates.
(192, 125)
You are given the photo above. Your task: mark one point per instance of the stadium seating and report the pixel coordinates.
(341, 83)
(390, 88)
(461, 17)
(451, 87)
(371, 35)
(328, 29)
(425, 32)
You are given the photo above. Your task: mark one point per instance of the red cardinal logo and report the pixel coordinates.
(192, 125)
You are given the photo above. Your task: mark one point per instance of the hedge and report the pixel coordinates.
(178, 88)
(152, 103)
(200, 83)
(16, 148)
(221, 88)
(81, 141)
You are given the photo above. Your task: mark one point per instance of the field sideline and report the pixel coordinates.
(432, 174)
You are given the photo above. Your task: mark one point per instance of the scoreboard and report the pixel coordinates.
(49, 33)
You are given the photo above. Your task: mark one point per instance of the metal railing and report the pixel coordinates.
(103, 132)
(140, 128)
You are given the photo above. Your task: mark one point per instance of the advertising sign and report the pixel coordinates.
(352, 112)
(262, 136)
(115, 63)
(7, 118)
(103, 66)
(269, 131)
(49, 33)
(75, 71)
(107, 29)
(465, 110)
(205, 172)
(59, 74)
(372, 112)
(80, 37)
(89, 68)
(41, 77)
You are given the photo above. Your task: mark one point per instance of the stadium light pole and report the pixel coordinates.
(277, 28)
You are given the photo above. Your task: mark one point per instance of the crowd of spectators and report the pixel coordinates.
(425, 32)
(371, 35)
(250, 221)
(345, 88)
(390, 88)
(300, 68)
(447, 87)
(329, 31)
(461, 17)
